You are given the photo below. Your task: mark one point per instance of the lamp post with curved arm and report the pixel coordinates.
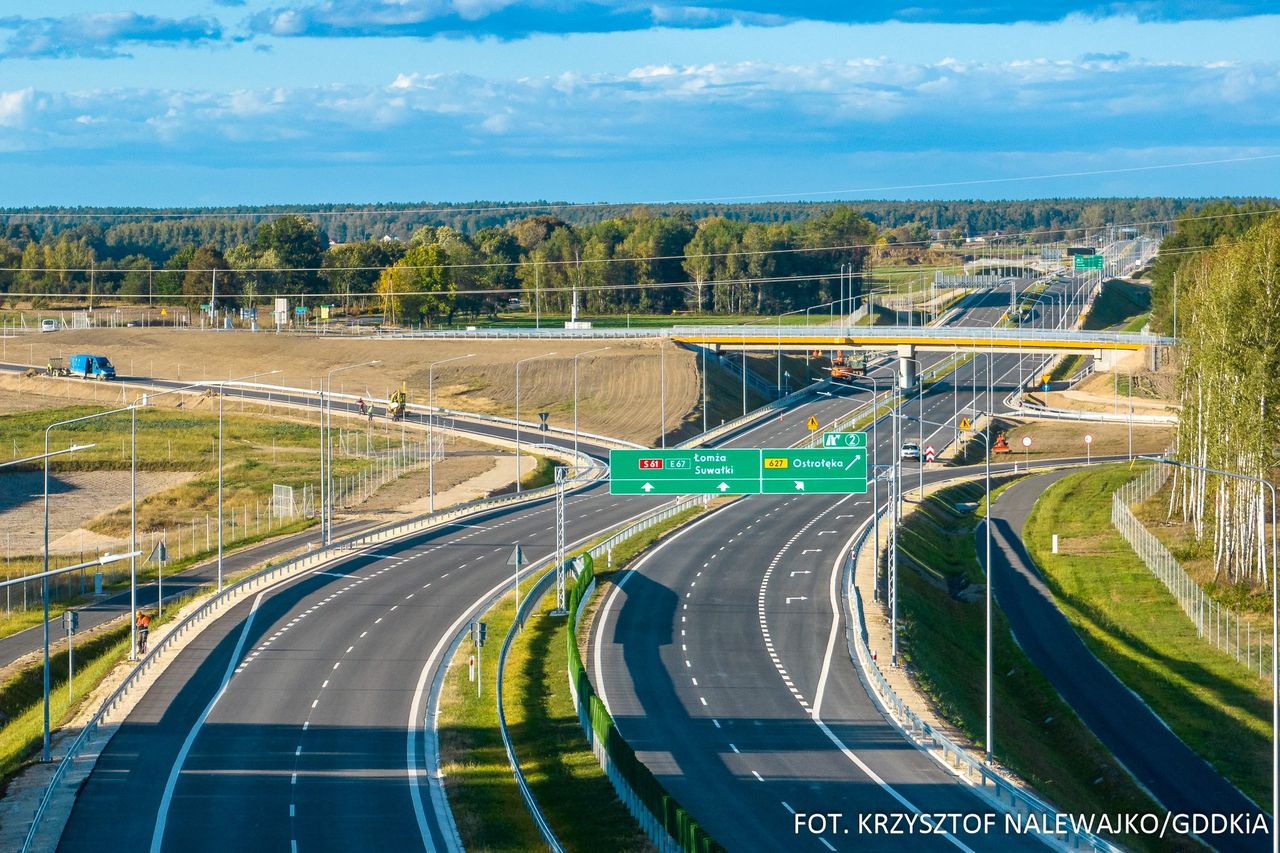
(431, 433)
(518, 363)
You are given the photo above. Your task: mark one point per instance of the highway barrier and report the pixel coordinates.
(1217, 625)
(668, 824)
(232, 594)
(991, 786)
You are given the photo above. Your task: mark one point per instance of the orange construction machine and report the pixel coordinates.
(1000, 446)
(843, 370)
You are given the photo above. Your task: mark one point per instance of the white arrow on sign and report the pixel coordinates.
(648, 487)
(724, 487)
(799, 485)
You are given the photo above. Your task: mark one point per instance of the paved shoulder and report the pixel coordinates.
(1175, 775)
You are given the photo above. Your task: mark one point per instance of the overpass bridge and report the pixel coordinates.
(907, 342)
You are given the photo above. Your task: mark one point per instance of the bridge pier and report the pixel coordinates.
(907, 366)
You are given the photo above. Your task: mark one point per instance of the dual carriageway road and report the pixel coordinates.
(300, 718)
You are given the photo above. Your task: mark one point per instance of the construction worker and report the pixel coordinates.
(143, 624)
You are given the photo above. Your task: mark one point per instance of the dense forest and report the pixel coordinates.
(158, 233)
(423, 264)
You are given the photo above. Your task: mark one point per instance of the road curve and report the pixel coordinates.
(1177, 777)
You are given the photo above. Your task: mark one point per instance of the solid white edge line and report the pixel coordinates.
(162, 814)
(439, 801)
(822, 683)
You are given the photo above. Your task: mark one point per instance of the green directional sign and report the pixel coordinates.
(1087, 262)
(837, 470)
(684, 472)
(822, 471)
(844, 439)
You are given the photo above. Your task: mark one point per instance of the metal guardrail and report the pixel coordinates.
(771, 333)
(527, 605)
(999, 790)
(1216, 624)
(260, 580)
(940, 333)
(1015, 403)
(455, 414)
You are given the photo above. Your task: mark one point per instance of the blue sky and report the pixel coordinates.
(185, 102)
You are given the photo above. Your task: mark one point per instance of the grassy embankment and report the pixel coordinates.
(572, 790)
(1121, 304)
(1036, 734)
(1134, 626)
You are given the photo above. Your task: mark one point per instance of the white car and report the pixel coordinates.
(48, 325)
(910, 450)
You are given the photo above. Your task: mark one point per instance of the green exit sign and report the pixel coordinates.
(844, 439)
(1087, 262)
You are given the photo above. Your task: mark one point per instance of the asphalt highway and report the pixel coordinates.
(722, 658)
(297, 720)
(116, 604)
(1177, 777)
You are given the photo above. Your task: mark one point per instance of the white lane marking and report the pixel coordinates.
(759, 778)
(162, 814)
(703, 701)
(717, 722)
(734, 748)
(348, 651)
(826, 844)
(787, 807)
(362, 634)
(314, 703)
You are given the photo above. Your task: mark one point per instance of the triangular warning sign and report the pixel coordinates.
(965, 423)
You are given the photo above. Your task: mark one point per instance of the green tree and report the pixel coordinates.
(418, 287)
(300, 246)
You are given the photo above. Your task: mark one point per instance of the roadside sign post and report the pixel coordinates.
(1026, 452)
(479, 633)
(516, 560)
(543, 426)
(1088, 448)
(70, 623)
(812, 423)
(930, 454)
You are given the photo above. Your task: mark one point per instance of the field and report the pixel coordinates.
(619, 388)
(1130, 621)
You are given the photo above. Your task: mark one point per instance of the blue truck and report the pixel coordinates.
(92, 367)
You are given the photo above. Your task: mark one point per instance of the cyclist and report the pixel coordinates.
(143, 624)
(364, 409)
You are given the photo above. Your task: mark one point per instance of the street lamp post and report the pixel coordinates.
(1275, 632)
(326, 458)
(431, 433)
(575, 396)
(518, 363)
(44, 581)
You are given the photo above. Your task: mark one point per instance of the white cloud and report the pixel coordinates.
(15, 105)
(650, 109)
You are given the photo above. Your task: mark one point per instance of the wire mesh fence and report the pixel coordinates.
(1246, 639)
